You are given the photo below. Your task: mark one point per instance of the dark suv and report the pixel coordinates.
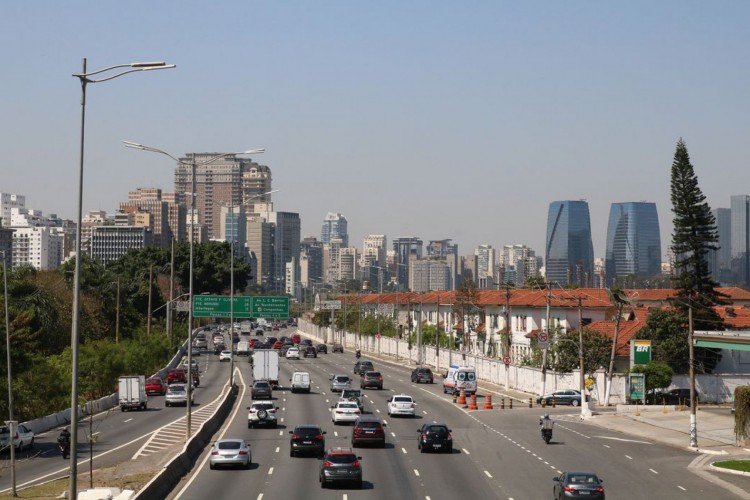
(422, 374)
(307, 438)
(340, 465)
(261, 389)
(371, 379)
(435, 437)
(309, 351)
(676, 397)
(368, 430)
(360, 367)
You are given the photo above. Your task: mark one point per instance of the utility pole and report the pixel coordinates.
(544, 351)
(171, 292)
(620, 302)
(437, 336)
(585, 411)
(117, 317)
(693, 416)
(506, 339)
(150, 288)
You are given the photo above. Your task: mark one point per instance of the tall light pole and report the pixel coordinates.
(85, 79)
(12, 423)
(193, 164)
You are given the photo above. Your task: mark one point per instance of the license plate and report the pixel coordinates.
(369, 432)
(306, 442)
(437, 445)
(583, 492)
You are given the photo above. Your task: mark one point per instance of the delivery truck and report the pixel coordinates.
(266, 366)
(243, 348)
(132, 393)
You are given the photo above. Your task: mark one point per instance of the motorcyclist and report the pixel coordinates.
(63, 440)
(546, 423)
(358, 353)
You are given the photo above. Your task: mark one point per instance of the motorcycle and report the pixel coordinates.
(547, 435)
(64, 446)
(358, 354)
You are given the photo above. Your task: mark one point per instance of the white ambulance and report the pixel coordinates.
(458, 378)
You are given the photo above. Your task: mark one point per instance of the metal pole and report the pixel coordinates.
(10, 379)
(693, 416)
(150, 288)
(585, 411)
(437, 337)
(117, 318)
(73, 484)
(189, 404)
(231, 295)
(544, 351)
(171, 292)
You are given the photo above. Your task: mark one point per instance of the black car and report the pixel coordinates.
(675, 397)
(322, 348)
(371, 379)
(360, 367)
(578, 485)
(309, 351)
(261, 389)
(368, 430)
(435, 437)
(338, 348)
(307, 438)
(305, 342)
(422, 374)
(340, 465)
(271, 340)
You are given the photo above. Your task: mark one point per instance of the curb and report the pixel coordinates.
(728, 471)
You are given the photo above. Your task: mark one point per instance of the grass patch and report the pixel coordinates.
(740, 465)
(56, 488)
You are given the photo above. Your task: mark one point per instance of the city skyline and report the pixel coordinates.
(533, 102)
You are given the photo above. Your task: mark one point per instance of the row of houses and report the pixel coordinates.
(526, 313)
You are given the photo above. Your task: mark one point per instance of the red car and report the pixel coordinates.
(278, 344)
(155, 385)
(253, 342)
(296, 338)
(180, 375)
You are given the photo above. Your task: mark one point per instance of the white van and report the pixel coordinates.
(300, 382)
(458, 378)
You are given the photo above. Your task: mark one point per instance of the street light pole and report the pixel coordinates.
(85, 79)
(11, 425)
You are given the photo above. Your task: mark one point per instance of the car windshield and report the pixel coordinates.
(438, 430)
(229, 445)
(261, 385)
(342, 459)
(583, 479)
(349, 406)
(372, 374)
(342, 379)
(370, 425)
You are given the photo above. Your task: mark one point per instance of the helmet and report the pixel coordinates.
(546, 415)
(66, 428)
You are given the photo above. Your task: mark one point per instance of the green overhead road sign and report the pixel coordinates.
(270, 307)
(219, 306)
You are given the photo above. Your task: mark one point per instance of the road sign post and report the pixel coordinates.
(270, 307)
(640, 352)
(219, 306)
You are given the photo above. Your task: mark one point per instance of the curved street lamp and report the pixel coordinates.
(85, 79)
(193, 164)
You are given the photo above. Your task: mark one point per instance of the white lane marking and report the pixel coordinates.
(465, 451)
(128, 420)
(283, 408)
(427, 498)
(416, 472)
(404, 450)
(270, 471)
(277, 449)
(377, 410)
(393, 434)
(622, 439)
(424, 412)
(683, 489)
(327, 401)
(628, 457)
(652, 470)
(282, 419)
(336, 433)
(260, 497)
(606, 446)
(344, 497)
(488, 474)
(281, 433)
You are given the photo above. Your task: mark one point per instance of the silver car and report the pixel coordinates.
(230, 452)
(177, 395)
(340, 382)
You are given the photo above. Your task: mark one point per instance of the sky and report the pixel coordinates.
(434, 119)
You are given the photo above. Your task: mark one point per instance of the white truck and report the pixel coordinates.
(243, 348)
(132, 393)
(266, 366)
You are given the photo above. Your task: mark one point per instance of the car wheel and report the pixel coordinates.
(449, 450)
(248, 465)
(211, 466)
(359, 484)
(574, 402)
(31, 443)
(323, 483)
(249, 425)
(421, 449)
(291, 452)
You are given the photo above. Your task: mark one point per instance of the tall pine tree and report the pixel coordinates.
(695, 235)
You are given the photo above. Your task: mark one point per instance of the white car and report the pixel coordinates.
(24, 437)
(402, 404)
(345, 411)
(225, 356)
(194, 363)
(261, 413)
(292, 353)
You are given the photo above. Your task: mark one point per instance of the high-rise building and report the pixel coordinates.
(447, 252)
(740, 207)
(633, 242)
(9, 201)
(720, 261)
(37, 246)
(485, 261)
(569, 251)
(519, 263)
(150, 200)
(109, 243)
(226, 181)
(234, 224)
(427, 275)
(286, 239)
(374, 250)
(311, 261)
(334, 227)
(260, 243)
(406, 250)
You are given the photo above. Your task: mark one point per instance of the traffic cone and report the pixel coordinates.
(462, 397)
(473, 402)
(488, 402)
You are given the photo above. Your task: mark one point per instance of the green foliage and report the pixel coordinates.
(658, 375)
(564, 353)
(742, 413)
(535, 282)
(429, 332)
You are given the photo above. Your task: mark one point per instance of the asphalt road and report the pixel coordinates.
(119, 435)
(497, 454)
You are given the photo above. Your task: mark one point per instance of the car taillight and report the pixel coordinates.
(295, 436)
(319, 436)
(243, 452)
(600, 490)
(413, 405)
(449, 436)
(214, 453)
(355, 464)
(569, 488)
(380, 378)
(424, 435)
(327, 464)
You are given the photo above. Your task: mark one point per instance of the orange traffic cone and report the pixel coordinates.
(473, 402)
(488, 402)
(462, 397)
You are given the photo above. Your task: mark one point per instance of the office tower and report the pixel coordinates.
(334, 227)
(569, 251)
(740, 229)
(9, 201)
(444, 250)
(406, 250)
(633, 242)
(374, 250)
(720, 261)
(37, 246)
(152, 200)
(259, 242)
(234, 224)
(286, 239)
(226, 181)
(311, 261)
(109, 243)
(519, 263)
(427, 275)
(485, 261)
(348, 263)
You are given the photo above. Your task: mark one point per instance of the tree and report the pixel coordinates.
(596, 349)
(658, 375)
(695, 235)
(465, 305)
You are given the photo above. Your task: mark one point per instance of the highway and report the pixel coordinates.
(497, 453)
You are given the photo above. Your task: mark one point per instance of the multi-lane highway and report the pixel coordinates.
(497, 454)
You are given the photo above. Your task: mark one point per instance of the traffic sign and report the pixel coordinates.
(385, 308)
(270, 307)
(330, 305)
(378, 336)
(543, 339)
(219, 306)
(506, 360)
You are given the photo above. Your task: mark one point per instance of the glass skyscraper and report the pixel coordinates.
(740, 228)
(633, 241)
(569, 251)
(334, 227)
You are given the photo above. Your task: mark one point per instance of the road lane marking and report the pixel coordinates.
(260, 497)
(128, 420)
(652, 470)
(281, 433)
(416, 472)
(606, 446)
(393, 434)
(465, 451)
(622, 439)
(424, 412)
(488, 474)
(377, 410)
(283, 408)
(404, 450)
(270, 471)
(628, 457)
(683, 489)
(282, 419)
(336, 433)
(277, 449)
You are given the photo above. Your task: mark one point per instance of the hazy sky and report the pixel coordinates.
(435, 119)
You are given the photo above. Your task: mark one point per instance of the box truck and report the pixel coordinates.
(132, 393)
(266, 366)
